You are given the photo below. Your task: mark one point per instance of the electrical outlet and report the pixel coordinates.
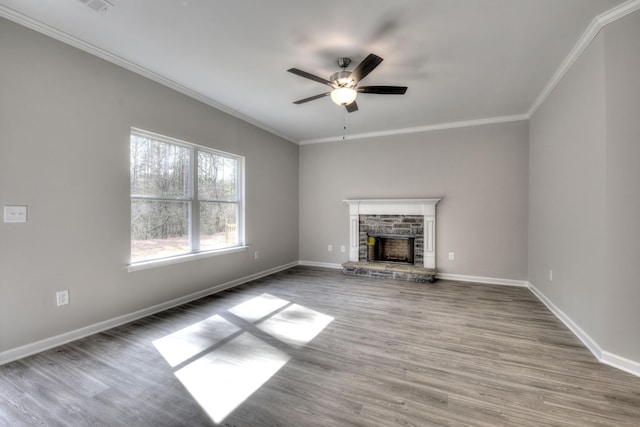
(15, 214)
(256, 255)
(330, 248)
(62, 297)
(343, 248)
(452, 256)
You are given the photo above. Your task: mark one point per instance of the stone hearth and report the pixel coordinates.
(406, 272)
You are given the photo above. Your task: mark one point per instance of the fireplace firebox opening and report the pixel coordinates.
(390, 248)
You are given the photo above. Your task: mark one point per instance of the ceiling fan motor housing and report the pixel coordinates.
(342, 79)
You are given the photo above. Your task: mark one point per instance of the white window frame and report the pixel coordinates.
(194, 206)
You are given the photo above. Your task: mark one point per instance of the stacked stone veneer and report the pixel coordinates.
(405, 225)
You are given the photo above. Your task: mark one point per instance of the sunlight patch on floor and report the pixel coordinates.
(221, 380)
(258, 307)
(225, 363)
(295, 325)
(188, 342)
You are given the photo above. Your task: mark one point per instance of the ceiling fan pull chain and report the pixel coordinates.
(344, 125)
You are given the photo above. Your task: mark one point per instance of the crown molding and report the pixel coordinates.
(587, 37)
(590, 33)
(418, 129)
(618, 12)
(63, 37)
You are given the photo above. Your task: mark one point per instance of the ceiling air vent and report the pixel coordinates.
(97, 5)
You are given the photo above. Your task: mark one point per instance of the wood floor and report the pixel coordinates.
(313, 347)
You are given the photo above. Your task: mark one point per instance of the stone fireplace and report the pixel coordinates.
(392, 238)
(391, 233)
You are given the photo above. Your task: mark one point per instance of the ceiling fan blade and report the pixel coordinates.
(351, 107)
(383, 90)
(309, 76)
(311, 98)
(365, 67)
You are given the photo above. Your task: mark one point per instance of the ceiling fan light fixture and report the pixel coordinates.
(343, 95)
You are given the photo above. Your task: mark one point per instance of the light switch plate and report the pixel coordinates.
(62, 297)
(15, 214)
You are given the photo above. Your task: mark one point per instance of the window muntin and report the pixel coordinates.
(166, 219)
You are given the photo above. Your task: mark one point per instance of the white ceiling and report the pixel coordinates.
(464, 61)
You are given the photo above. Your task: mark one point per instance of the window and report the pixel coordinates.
(185, 199)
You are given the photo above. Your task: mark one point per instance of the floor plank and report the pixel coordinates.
(314, 347)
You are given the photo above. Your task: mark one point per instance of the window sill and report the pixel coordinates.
(145, 265)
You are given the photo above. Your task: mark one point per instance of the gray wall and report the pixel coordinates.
(65, 118)
(567, 191)
(584, 192)
(621, 309)
(481, 173)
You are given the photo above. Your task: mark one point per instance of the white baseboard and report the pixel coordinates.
(622, 363)
(480, 279)
(320, 264)
(589, 342)
(603, 356)
(55, 341)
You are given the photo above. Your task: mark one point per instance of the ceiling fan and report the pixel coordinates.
(344, 83)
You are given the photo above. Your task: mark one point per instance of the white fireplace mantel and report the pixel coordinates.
(425, 207)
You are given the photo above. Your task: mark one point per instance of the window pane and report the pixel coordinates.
(217, 177)
(218, 222)
(159, 229)
(159, 169)
(168, 177)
